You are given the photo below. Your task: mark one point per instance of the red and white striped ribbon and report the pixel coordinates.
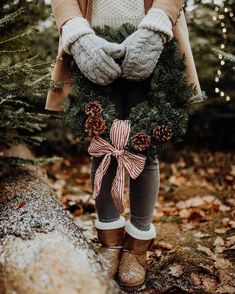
(133, 163)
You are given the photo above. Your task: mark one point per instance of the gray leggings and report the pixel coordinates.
(143, 190)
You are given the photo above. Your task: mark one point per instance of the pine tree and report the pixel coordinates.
(24, 78)
(205, 24)
(211, 25)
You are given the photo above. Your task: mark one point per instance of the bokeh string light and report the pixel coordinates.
(222, 13)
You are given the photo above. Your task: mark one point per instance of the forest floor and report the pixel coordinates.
(194, 215)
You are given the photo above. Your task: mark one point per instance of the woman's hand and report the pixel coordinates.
(144, 46)
(95, 58)
(93, 55)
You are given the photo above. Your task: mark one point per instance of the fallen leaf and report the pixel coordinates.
(193, 202)
(227, 289)
(221, 230)
(231, 224)
(196, 216)
(199, 234)
(209, 198)
(224, 208)
(206, 250)
(222, 263)
(164, 245)
(176, 270)
(229, 178)
(230, 241)
(218, 242)
(195, 279)
(225, 220)
(230, 201)
(158, 252)
(184, 213)
(232, 172)
(209, 284)
(219, 245)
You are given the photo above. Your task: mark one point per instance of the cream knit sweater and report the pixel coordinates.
(116, 12)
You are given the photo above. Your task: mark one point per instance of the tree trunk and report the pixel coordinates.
(41, 249)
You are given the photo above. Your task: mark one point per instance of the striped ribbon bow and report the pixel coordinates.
(133, 163)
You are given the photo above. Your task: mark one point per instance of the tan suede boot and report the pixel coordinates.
(133, 262)
(111, 236)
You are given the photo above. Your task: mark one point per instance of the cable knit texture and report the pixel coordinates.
(95, 58)
(143, 49)
(115, 12)
(158, 21)
(73, 30)
(144, 46)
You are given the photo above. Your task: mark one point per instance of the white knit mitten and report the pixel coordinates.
(93, 55)
(157, 21)
(144, 46)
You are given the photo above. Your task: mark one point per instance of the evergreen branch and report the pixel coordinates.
(198, 98)
(3, 100)
(22, 76)
(12, 51)
(228, 56)
(10, 17)
(16, 103)
(38, 81)
(20, 66)
(14, 38)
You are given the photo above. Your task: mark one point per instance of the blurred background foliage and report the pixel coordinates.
(28, 47)
(211, 25)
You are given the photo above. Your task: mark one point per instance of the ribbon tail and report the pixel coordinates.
(134, 164)
(100, 172)
(118, 186)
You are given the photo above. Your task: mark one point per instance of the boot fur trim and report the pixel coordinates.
(140, 234)
(110, 225)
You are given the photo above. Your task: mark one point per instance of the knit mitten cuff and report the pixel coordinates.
(72, 30)
(157, 20)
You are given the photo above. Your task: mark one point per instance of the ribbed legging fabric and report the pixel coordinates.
(143, 191)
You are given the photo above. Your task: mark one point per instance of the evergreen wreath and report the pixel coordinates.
(160, 119)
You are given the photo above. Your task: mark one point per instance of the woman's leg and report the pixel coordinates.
(143, 193)
(110, 225)
(105, 206)
(140, 232)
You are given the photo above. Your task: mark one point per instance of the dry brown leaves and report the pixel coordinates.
(195, 209)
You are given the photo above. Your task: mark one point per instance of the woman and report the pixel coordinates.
(124, 243)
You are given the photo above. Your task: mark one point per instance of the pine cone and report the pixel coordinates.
(141, 141)
(162, 133)
(93, 108)
(95, 126)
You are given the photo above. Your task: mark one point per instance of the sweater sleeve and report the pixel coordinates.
(172, 8)
(65, 10)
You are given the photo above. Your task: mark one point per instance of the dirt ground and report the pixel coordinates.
(194, 216)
